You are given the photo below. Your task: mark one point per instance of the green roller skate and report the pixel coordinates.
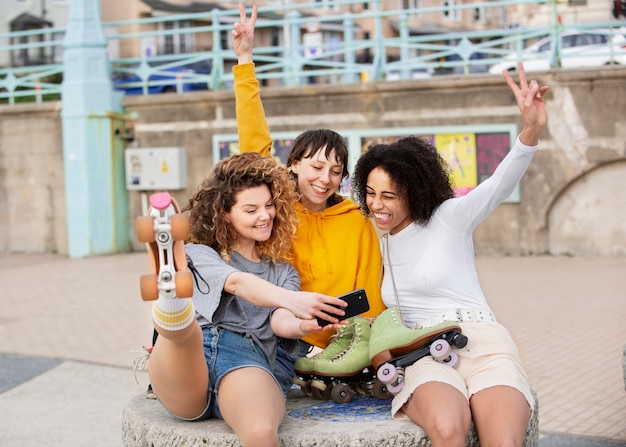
(339, 342)
(348, 372)
(393, 346)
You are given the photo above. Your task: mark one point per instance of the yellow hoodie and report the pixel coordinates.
(335, 250)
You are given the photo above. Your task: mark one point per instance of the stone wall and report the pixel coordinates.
(571, 197)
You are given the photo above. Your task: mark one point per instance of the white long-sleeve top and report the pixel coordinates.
(433, 265)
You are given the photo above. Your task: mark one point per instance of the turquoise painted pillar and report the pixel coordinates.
(380, 57)
(96, 200)
(350, 55)
(405, 70)
(294, 51)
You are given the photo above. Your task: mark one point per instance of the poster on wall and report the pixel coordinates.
(472, 152)
(280, 148)
(472, 156)
(459, 151)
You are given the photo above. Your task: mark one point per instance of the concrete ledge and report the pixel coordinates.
(363, 422)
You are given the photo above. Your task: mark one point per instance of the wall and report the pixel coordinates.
(580, 160)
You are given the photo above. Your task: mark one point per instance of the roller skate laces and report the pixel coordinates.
(140, 363)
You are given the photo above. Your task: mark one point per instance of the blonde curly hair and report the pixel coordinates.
(217, 194)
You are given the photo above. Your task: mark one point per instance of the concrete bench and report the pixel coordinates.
(365, 421)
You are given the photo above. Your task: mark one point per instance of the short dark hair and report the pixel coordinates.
(310, 141)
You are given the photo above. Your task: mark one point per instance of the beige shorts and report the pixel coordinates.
(489, 359)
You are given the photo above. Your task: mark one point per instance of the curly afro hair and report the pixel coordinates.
(419, 172)
(217, 194)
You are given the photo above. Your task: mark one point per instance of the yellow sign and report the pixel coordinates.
(459, 151)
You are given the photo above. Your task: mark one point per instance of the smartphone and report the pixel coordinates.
(357, 304)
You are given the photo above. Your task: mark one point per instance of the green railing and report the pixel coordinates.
(343, 57)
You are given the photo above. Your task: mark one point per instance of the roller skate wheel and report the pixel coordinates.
(360, 388)
(341, 393)
(459, 340)
(387, 373)
(452, 360)
(298, 381)
(144, 227)
(318, 384)
(440, 349)
(184, 284)
(149, 285)
(380, 390)
(318, 394)
(395, 389)
(307, 390)
(180, 227)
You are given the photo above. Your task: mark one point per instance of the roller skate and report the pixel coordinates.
(393, 346)
(340, 374)
(164, 230)
(304, 365)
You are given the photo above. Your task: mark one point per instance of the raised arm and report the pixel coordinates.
(466, 214)
(529, 97)
(254, 133)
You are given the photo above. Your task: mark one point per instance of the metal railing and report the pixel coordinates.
(343, 56)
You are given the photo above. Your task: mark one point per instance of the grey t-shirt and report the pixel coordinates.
(216, 307)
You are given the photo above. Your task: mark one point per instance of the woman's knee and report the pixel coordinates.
(442, 411)
(448, 431)
(260, 432)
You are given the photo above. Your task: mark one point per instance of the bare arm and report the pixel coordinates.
(287, 325)
(305, 305)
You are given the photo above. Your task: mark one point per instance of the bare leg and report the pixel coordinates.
(178, 371)
(442, 411)
(253, 405)
(501, 415)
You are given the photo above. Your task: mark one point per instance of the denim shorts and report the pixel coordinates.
(284, 368)
(226, 351)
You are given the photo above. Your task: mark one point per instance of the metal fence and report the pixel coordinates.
(290, 60)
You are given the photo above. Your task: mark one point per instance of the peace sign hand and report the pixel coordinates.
(530, 100)
(243, 35)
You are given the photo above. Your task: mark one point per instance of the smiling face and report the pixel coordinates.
(319, 178)
(387, 206)
(252, 215)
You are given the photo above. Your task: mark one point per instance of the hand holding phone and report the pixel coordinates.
(357, 304)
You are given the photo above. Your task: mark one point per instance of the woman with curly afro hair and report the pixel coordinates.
(215, 353)
(430, 279)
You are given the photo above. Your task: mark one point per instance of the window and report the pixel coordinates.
(450, 12)
(480, 14)
(177, 42)
(328, 4)
(411, 4)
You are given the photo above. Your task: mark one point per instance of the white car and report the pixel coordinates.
(415, 72)
(589, 48)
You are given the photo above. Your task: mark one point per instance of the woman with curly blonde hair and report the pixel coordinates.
(217, 194)
(215, 353)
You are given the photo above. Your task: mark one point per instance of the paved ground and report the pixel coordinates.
(68, 329)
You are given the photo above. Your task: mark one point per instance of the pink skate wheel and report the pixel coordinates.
(440, 349)
(395, 389)
(452, 360)
(387, 373)
(160, 200)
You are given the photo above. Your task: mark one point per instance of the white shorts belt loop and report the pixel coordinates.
(460, 315)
